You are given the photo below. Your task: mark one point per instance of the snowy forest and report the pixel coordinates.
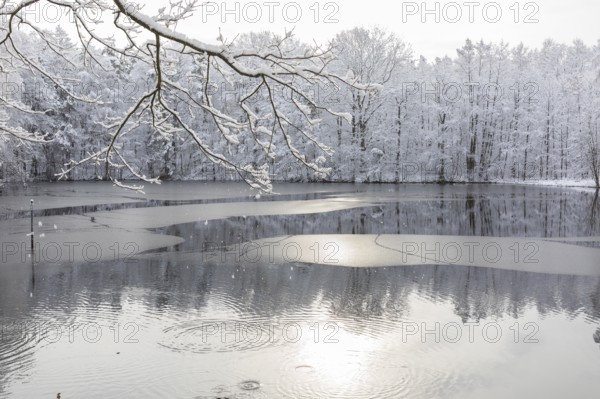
(367, 110)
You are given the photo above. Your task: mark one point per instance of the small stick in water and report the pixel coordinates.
(31, 212)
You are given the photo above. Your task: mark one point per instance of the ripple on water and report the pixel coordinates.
(364, 375)
(249, 385)
(79, 307)
(205, 335)
(249, 389)
(223, 300)
(373, 327)
(19, 341)
(257, 332)
(305, 369)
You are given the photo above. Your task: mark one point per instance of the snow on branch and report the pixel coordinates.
(273, 68)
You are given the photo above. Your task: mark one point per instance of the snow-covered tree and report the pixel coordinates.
(372, 56)
(154, 41)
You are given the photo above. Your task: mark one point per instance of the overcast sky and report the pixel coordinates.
(530, 22)
(432, 28)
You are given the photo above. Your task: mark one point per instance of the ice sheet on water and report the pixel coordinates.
(535, 255)
(120, 233)
(146, 218)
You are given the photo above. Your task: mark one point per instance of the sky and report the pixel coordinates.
(432, 28)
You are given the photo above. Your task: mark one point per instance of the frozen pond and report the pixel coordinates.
(205, 291)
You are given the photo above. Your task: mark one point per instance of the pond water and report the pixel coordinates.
(197, 290)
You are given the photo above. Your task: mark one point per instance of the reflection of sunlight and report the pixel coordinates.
(340, 363)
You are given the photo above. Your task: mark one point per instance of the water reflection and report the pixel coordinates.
(516, 213)
(162, 318)
(182, 308)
